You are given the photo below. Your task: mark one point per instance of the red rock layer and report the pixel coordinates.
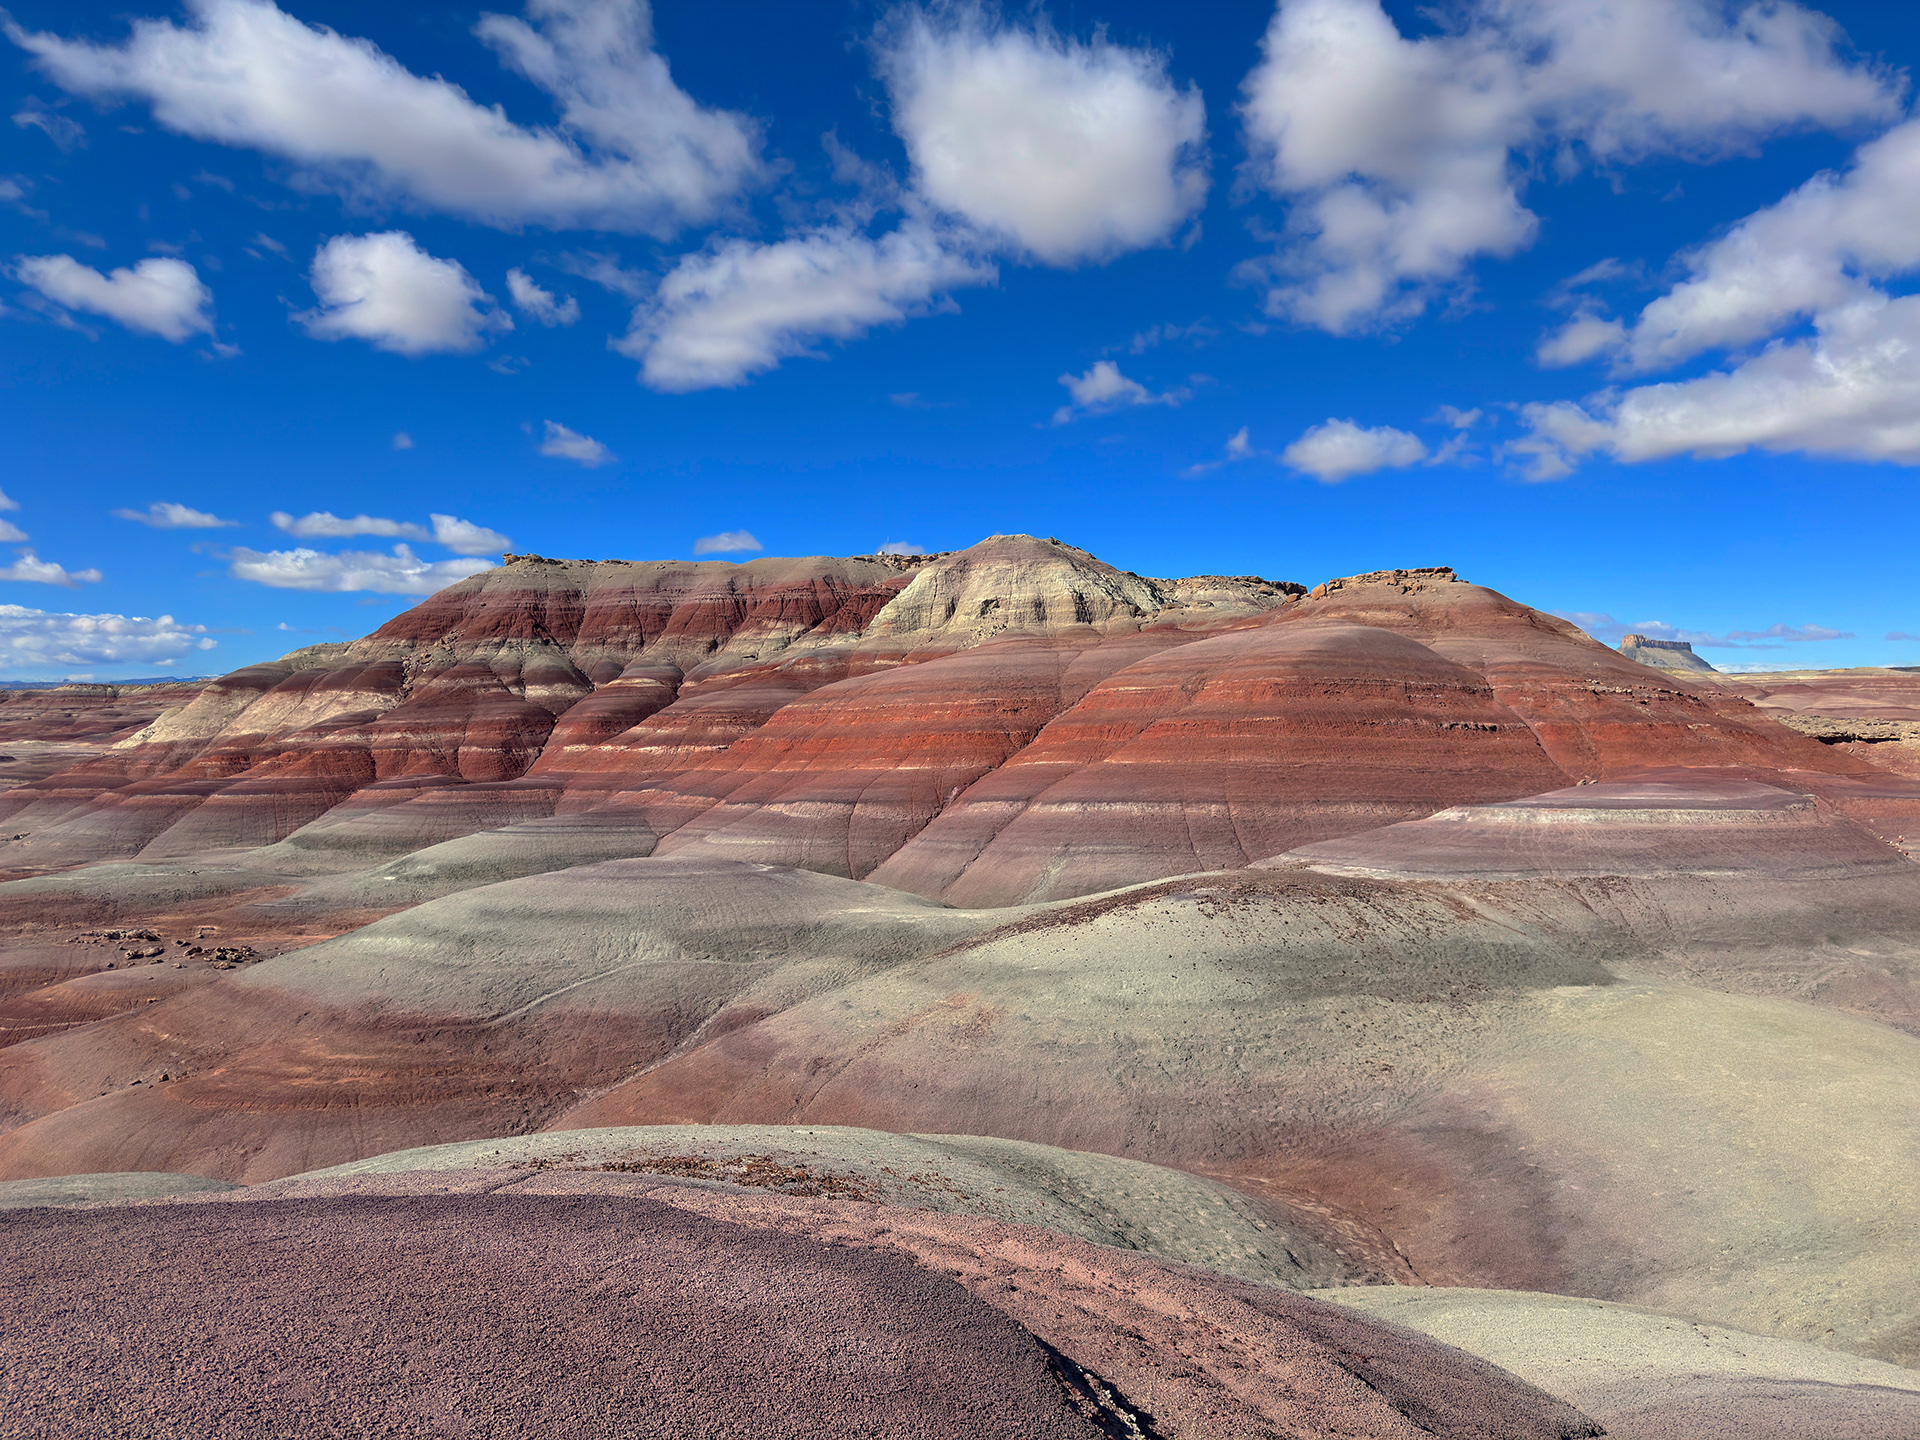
(1016, 721)
(1217, 752)
(1371, 702)
(87, 712)
(1863, 694)
(468, 686)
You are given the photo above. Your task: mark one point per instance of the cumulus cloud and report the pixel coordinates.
(739, 308)
(7, 502)
(1340, 449)
(401, 573)
(463, 537)
(44, 637)
(159, 296)
(1064, 151)
(1604, 627)
(727, 542)
(1851, 391)
(632, 151)
(568, 444)
(541, 305)
(1820, 249)
(386, 290)
(325, 525)
(1103, 389)
(32, 568)
(402, 440)
(11, 531)
(1402, 159)
(165, 515)
(1021, 142)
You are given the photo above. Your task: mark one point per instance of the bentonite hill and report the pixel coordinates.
(994, 993)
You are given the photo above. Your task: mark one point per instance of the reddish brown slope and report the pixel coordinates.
(465, 687)
(1377, 699)
(1014, 721)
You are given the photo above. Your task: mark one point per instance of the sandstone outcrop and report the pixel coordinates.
(1664, 655)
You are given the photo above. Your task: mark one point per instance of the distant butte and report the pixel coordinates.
(1663, 654)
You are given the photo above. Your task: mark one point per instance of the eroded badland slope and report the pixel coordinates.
(1406, 933)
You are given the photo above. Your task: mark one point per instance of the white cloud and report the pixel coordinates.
(538, 304)
(1817, 250)
(63, 132)
(401, 573)
(1774, 637)
(7, 502)
(1237, 448)
(1144, 340)
(739, 308)
(463, 537)
(1103, 389)
(606, 272)
(402, 440)
(568, 444)
(901, 547)
(1586, 335)
(1340, 449)
(727, 542)
(325, 525)
(1401, 157)
(632, 152)
(45, 572)
(158, 296)
(1066, 151)
(44, 637)
(386, 290)
(1852, 391)
(11, 531)
(165, 515)
(1020, 141)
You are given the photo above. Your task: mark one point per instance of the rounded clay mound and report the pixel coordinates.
(681, 1314)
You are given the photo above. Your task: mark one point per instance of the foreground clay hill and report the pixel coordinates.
(1385, 939)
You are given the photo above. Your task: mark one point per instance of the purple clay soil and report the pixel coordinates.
(496, 1316)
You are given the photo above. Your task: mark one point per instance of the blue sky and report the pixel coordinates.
(1202, 288)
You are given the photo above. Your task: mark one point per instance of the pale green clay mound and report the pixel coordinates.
(102, 1189)
(1109, 1201)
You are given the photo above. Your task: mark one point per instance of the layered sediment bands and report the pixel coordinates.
(467, 686)
(1868, 693)
(1013, 722)
(87, 712)
(838, 780)
(1220, 751)
(488, 1012)
(1697, 825)
(1741, 885)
